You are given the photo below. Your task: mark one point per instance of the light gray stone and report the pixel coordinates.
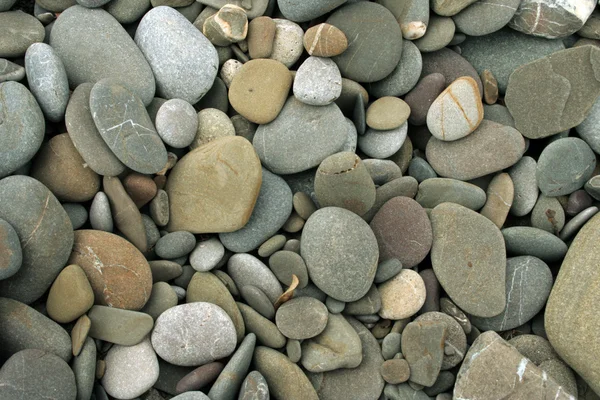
(318, 81)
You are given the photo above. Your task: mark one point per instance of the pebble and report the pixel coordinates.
(70, 295)
(207, 254)
(524, 240)
(422, 96)
(228, 71)
(10, 248)
(19, 31)
(490, 87)
(127, 217)
(455, 338)
(175, 244)
(422, 351)
(383, 144)
(402, 296)
(586, 129)
(272, 245)
(500, 196)
(382, 171)
(161, 299)
(387, 269)
(9, 71)
(435, 191)
(266, 331)
(164, 270)
(284, 264)
(176, 123)
(548, 215)
(387, 113)
(199, 377)
(231, 378)
(440, 32)
(226, 26)
(369, 304)
(254, 387)
(593, 187)
(84, 369)
(287, 43)
(451, 65)
(395, 371)
(404, 77)
(260, 37)
(318, 81)
(301, 318)
(127, 11)
(578, 201)
(523, 175)
(77, 214)
(258, 300)
(449, 308)
(485, 16)
(432, 291)
(498, 113)
(245, 269)
(212, 124)
(114, 325)
(577, 222)
(324, 40)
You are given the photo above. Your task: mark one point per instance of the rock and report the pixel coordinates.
(45, 232)
(246, 269)
(500, 195)
(578, 201)
(374, 49)
(387, 269)
(292, 144)
(119, 274)
(498, 113)
(548, 215)
(287, 43)
(159, 208)
(390, 346)
(456, 340)
(254, 387)
(525, 240)
(161, 299)
(10, 248)
(566, 331)
(422, 96)
(164, 270)
(382, 171)
(422, 346)
(212, 124)
(330, 235)
(77, 213)
(86, 59)
(176, 123)
(258, 300)
(435, 191)
(5, 5)
(22, 129)
(229, 381)
(261, 34)
(207, 255)
(577, 222)
(10, 71)
(19, 31)
(387, 113)
(199, 377)
(266, 332)
(286, 263)
(451, 65)
(450, 8)
(562, 73)
(467, 247)
(84, 368)
(562, 374)
(551, 19)
(403, 231)
(206, 334)
(382, 144)
(404, 77)
(130, 370)
(34, 373)
(127, 12)
(184, 69)
(318, 81)
(324, 40)
(225, 178)
(593, 187)
(491, 148)
(70, 295)
(535, 348)
(402, 296)
(440, 32)
(490, 87)
(514, 375)
(307, 11)
(273, 207)
(141, 188)
(47, 80)
(175, 244)
(587, 129)
(301, 318)
(485, 16)
(457, 111)
(25, 328)
(226, 26)
(523, 175)
(114, 325)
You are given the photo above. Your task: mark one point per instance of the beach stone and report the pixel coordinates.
(130, 370)
(404, 186)
(528, 285)
(301, 318)
(500, 194)
(77, 213)
(383, 144)
(342, 180)
(207, 255)
(161, 299)
(593, 187)
(432, 291)
(164, 270)
(47, 80)
(127, 11)
(303, 205)
(318, 81)
(266, 331)
(84, 369)
(212, 124)
(435, 191)
(498, 113)
(422, 350)
(440, 32)
(70, 295)
(25, 328)
(291, 144)
(562, 374)
(477, 253)
(563, 72)
(514, 374)
(330, 235)
(535, 348)
(114, 325)
(19, 31)
(450, 8)
(261, 34)
(176, 123)
(451, 65)
(207, 334)
(550, 19)
(387, 113)
(226, 26)
(245, 269)
(9, 71)
(523, 175)
(457, 111)
(10, 248)
(22, 129)
(490, 87)
(140, 188)
(564, 166)
(59, 166)
(307, 11)
(548, 215)
(369, 304)
(455, 337)
(175, 244)
(184, 69)
(5, 5)
(422, 96)
(485, 16)
(272, 245)
(396, 221)
(287, 43)
(286, 263)
(224, 196)
(382, 171)
(374, 49)
(44, 230)
(199, 377)
(525, 240)
(404, 77)
(254, 387)
(387, 269)
(258, 300)
(402, 296)
(390, 346)
(259, 90)
(492, 147)
(325, 40)
(587, 129)
(578, 201)
(273, 207)
(119, 274)
(449, 308)
(35, 373)
(229, 381)
(590, 29)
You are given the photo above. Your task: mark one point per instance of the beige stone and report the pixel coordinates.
(387, 113)
(402, 296)
(70, 296)
(500, 194)
(261, 34)
(325, 40)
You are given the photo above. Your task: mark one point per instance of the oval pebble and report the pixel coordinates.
(176, 123)
(301, 318)
(288, 42)
(207, 254)
(18, 31)
(325, 40)
(402, 296)
(175, 244)
(404, 77)
(318, 81)
(435, 191)
(10, 249)
(383, 144)
(245, 269)
(525, 240)
(286, 263)
(100, 213)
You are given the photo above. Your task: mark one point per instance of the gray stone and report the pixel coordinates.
(588, 128)
(523, 175)
(5, 5)
(183, 61)
(207, 334)
(592, 187)
(177, 123)
(383, 144)
(562, 374)
(191, 395)
(229, 381)
(334, 234)
(440, 32)
(207, 255)
(100, 213)
(435, 191)
(548, 214)
(162, 298)
(577, 222)
(564, 166)
(77, 213)
(390, 346)
(125, 126)
(258, 300)
(84, 368)
(455, 338)
(272, 208)
(485, 16)
(305, 11)
(382, 171)
(387, 269)
(528, 285)
(498, 113)
(9, 71)
(127, 11)
(524, 240)
(448, 307)
(301, 318)
(272, 245)
(420, 169)
(286, 263)
(10, 247)
(291, 143)
(334, 306)
(421, 348)
(451, 65)
(266, 331)
(18, 31)
(245, 269)
(159, 208)
(119, 326)
(535, 348)
(370, 303)
(404, 77)
(254, 387)
(87, 59)
(175, 244)
(22, 128)
(45, 232)
(318, 81)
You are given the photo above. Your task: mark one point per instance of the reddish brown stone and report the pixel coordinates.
(141, 188)
(200, 377)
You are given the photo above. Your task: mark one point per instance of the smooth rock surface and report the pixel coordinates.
(318, 81)
(402, 296)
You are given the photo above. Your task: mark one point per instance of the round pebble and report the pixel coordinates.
(402, 296)
(301, 318)
(318, 81)
(10, 248)
(176, 123)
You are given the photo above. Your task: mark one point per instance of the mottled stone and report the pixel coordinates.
(423, 349)
(548, 215)
(18, 31)
(287, 43)
(451, 65)
(485, 16)
(261, 34)
(254, 387)
(324, 40)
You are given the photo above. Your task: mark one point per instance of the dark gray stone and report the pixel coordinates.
(175, 244)
(404, 77)
(485, 16)
(524, 240)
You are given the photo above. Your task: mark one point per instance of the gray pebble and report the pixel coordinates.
(524, 240)
(176, 123)
(179, 292)
(334, 306)
(258, 300)
(271, 245)
(370, 303)
(383, 144)
(293, 350)
(10, 246)
(548, 215)
(387, 269)
(175, 244)
(404, 77)
(207, 254)
(318, 81)
(230, 379)
(351, 138)
(390, 345)
(292, 245)
(286, 263)
(84, 368)
(435, 191)
(77, 214)
(9, 71)
(128, 11)
(382, 171)
(245, 269)
(254, 387)
(159, 208)
(420, 169)
(18, 31)
(593, 187)
(152, 232)
(523, 175)
(573, 226)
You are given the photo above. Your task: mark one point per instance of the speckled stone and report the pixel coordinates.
(525, 240)
(440, 32)
(318, 81)
(421, 347)
(301, 318)
(207, 255)
(245, 269)
(288, 42)
(383, 144)
(548, 215)
(485, 16)
(500, 195)
(9, 71)
(100, 213)
(402, 296)
(18, 31)
(176, 123)
(404, 77)
(523, 175)
(324, 40)
(212, 124)
(286, 263)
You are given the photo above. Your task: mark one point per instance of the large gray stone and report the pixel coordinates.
(245, 269)
(485, 16)
(18, 31)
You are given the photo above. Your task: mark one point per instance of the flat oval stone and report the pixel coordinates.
(266, 331)
(523, 175)
(301, 318)
(10, 71)
(469, 248)
(286, 263)
(383, 144)
(18, 31)
(261, 34)
(422, 96)
(254, 387)
(491, 148)
(162, 298)
(273, 207)
(387, 113)
(292, 144)
(440, 32)
(45, 232)
(457, 111)
(177, 123)
(125, 126)
(525, 240)
(455, 337)
(183, 68)
(402, 296)
(175, 244)
(117, 271)
(258, 300)
(11, 255)
(528, 285)
(22, 129)
(435, 191)
(214, 187)
(564, 166)
(374, 49)
(70, 295)
(403, 231)
(485, 16)
(207, 255)
(288, 42)
(301, 12)
(577, 222)
(548, 215)
(587, 129)
(500, 195)
(77, 214)
(245, 269)
(325, 40)
(318, 81)
(205, 334)
(404, 77)
(75, 38)
(334, 234)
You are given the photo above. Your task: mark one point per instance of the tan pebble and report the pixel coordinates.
(261, 34)
(500, 194)
(402, 296)
(490, 87)
(387, 113)
(294, 223)
(80, 333)
(70, 296)
(325, 40)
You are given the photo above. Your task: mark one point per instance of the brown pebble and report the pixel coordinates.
(70, 296)
(80, 333)
(395, 371)
(100, 369)
(294, 223)
(199, 378)
(141, 188)
(303, 205)
(490, 87)
(261, 34)
(325, 40)
(578, 201)
(160, 181)
(420, 98)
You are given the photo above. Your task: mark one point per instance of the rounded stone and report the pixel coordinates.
(485, 16)
(403, 231)
(333, 234)
(587, 129)
(439, 34)
(59, 166)
(119, 274)
(402, 296)
(176, 123)
(525, 240)
(500, 195)
(183, 61)
(287, 43)
(11, 255)
(404, 77)
(127, 11)
(435, 191)
(175, 244)
(245, 269)
(375, 48)
(325, 40)
(18, 31)
(564, 166)
(10, 71)
(212, 124)
(77, 214)
(100, 213)
(318, 81)
(387, 113)
(456, 338)
(84, 367)
(22, 128)
(383, 144)
(395, 371)
(422, 95)
(523, 175)
(258, 300)
(70, 295)
(286, 263)
(161, 299)
(193, 334)
(548, 215)
(207, 254)
(420, 169)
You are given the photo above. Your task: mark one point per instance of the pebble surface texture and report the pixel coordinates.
(299, 200)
